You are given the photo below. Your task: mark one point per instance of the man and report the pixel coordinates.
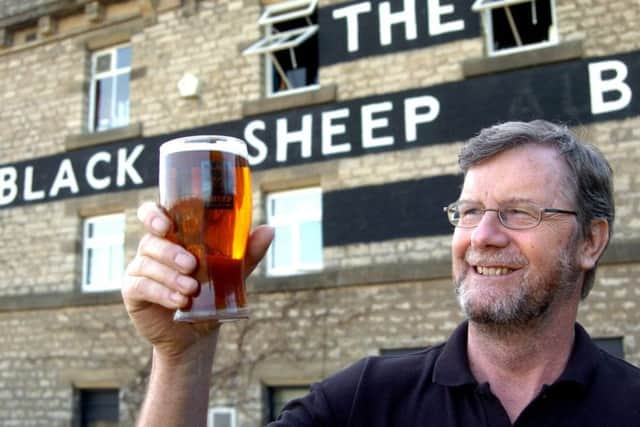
(533, 218)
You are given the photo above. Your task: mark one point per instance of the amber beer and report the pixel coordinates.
(205, 187)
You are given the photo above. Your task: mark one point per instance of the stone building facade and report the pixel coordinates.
(391, 90)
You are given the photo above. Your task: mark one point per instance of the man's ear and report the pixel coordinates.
(593, 244)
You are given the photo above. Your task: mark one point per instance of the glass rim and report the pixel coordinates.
(228, 144)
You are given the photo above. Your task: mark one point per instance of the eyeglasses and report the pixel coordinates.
(516, 216)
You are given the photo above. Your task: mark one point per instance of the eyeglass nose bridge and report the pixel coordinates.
(498, 215)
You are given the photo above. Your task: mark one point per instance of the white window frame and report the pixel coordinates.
(227, 410)
(294, 219)
(287, 10)
(113, 72)
(90, 243)
(274, 41)
(486, 6)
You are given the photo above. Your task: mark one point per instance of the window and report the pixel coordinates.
(290, 46)
(103, 252)
(297, 219)
(400, 351)
(109, 98)
(97, 408)
(278, 396)
(517, 25)
(221, 417)
(613, 346)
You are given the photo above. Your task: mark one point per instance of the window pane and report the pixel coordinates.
(108, 226)
(117, 263)
(99, 408)
(98, 265)
(103, 63)
(104, 93)
(221, 420)
(279, 396)
(284, 206)
(311, 242)
(123, 57)
(282, 255)
(309, 202)
(122, 100)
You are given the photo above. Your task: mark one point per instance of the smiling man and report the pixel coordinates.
(533, 218)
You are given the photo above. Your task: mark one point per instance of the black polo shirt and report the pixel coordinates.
(435, 387)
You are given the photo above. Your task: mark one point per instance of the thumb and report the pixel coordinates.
(259, 241)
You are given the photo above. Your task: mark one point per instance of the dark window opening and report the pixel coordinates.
(276, 397)
(97, 408)
(521, 24)
(300, 63)
(613, 346)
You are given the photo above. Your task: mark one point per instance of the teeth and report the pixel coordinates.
(493, 271)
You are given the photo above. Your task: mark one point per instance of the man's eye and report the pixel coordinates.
(519, 212)
(470, 211)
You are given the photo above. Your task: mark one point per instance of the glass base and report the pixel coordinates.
(193, 316)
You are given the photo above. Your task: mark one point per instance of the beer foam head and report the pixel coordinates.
(227, 144)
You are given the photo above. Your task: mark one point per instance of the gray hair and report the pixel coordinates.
(590, 176)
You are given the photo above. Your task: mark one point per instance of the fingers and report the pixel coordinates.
(140, 291)
(168, 253)
(154, 218)
(159, 274)
(259, 241)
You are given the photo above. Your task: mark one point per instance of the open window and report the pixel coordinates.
(109, 96)
(516, 25)
(289, 45)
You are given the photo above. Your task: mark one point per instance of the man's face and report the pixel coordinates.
(509, 278)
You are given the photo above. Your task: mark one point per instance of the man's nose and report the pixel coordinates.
(490, 231)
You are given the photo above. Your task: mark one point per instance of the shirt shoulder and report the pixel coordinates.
(373, 384)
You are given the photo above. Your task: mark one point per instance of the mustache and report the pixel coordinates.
(497, 258)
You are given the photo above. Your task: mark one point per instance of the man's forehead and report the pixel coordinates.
(529, 172)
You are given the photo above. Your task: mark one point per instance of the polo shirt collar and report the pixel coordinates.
(583, 360)
(452, 365)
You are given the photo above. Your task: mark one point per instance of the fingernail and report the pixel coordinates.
(178, 298)
(159, 225)
(187, 284)
(185, 261)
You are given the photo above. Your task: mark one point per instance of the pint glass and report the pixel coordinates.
(205, 188)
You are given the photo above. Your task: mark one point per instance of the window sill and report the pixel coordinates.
(618, 252)
(74, 142)
(560, 52)
(321, 95)
(354, 276)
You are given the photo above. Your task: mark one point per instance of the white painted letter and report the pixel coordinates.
(412, 118)
(65, 178)
(97, 183)
(436, 11)
(284, 138)
(125, 166)
(329, 130)
(29, 194)
(255, 142)
(598, 86)
(369, 124)
(387, 19)
(351, 13)
(8, 187)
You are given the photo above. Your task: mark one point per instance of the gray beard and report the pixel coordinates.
(528, 304)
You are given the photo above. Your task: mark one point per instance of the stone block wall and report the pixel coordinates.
(371, 297)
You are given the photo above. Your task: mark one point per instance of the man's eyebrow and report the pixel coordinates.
(517, 200)
(509, 201)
